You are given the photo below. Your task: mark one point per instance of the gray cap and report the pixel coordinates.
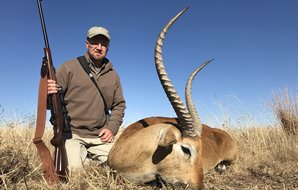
(97, 30)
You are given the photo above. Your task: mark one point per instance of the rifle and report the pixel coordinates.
(53, 171)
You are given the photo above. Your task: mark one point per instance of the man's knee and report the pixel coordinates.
(74, 154)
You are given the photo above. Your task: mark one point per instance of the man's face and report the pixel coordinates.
(98, 47)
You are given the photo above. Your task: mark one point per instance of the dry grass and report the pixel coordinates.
(286, 109)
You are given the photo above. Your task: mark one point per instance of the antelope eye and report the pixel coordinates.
(186, 150)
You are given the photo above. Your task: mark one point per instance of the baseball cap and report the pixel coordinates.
(97, 30)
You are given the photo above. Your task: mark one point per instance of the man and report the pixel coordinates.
(92, 131)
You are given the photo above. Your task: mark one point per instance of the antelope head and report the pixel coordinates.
(189, 124)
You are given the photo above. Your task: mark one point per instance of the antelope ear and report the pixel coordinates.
(169, 135)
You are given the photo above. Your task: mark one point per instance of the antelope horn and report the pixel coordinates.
(185, 120)
(189, 102)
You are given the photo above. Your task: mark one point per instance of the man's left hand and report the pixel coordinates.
(106, 135)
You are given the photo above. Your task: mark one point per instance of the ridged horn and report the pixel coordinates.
(185, 120)
(189, 102)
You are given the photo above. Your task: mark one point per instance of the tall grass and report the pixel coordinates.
(286, 109)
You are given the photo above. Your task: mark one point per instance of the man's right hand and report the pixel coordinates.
(52, 87)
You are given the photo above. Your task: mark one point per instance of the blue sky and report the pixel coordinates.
(254, 44)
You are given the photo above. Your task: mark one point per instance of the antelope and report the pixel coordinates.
(176, 150)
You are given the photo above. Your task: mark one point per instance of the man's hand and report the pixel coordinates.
(52, 87)
(106, 135)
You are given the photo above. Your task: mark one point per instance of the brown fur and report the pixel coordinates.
(153, 147)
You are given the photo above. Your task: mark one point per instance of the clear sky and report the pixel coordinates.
(254, 43)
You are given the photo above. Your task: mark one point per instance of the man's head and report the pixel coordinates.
(97, 43)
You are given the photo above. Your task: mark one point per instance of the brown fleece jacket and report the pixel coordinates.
(84, 103)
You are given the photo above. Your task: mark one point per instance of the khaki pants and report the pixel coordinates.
(77, 149)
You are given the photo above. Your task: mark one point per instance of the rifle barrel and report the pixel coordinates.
(43, 25)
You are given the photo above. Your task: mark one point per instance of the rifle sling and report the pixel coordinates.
(43, 151)
(86, 68)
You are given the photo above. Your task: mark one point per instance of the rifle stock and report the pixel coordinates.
(58, 169)
(56, 104)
